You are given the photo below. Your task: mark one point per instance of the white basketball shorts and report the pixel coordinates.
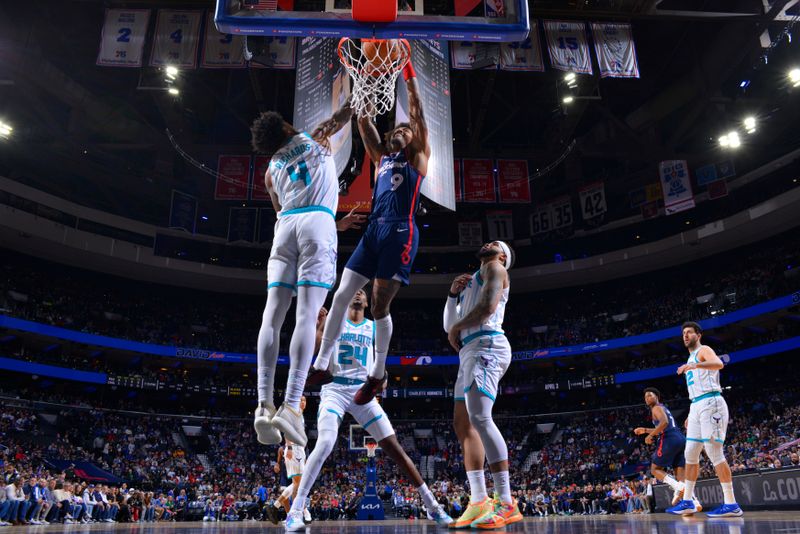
(337, 400)
(482, 363)
(303, 251)
(708, 419)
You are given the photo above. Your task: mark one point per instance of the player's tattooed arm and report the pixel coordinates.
(335, 123)
(416, 118)
(488, 299)
(371, 138)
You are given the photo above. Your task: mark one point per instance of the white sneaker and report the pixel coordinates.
(306, 516)
(294, 521)
(266, 433)
(291, 423)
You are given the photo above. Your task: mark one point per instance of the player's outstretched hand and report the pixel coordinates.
(454, 338)
(639, 431)
(351, 220)
(460, 283)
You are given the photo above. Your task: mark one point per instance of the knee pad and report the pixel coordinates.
(715, 452)
(692, 452)
(480, 420)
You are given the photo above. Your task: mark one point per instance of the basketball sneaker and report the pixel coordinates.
(294, 522)
(726, 510)
(677, 495)
(441, 517)
(489, 522)
(474, 512)
(371, 387)
(266, 433)
(306, 516)
(508, 511)
(291, 423)
(683, 508)
(318, 377)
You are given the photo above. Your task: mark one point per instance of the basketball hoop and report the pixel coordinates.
(371, 447)
(373, 65)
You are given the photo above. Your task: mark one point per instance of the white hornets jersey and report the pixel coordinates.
(304, 176)
(298, 453)
(701, 381)
(469, 298)
(355, 356)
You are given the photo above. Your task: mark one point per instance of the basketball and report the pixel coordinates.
(380, 54)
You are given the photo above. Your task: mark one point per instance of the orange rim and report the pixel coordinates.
(344, 42)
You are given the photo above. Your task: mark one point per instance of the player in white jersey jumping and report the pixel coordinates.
(707, 424)
(302, 183)
(350, 367)
(473, 320)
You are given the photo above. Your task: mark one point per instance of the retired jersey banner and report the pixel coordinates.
(569, 50)
(470, 234)
(512, 181)
(259, 189)
(221, 50)
(616, 53)
(122, 39)
(464, 54)
(242, 224)
(176, 39)
(276, 53)
(561, 213)
(500, 225)
(676, 186)
(479, 181)
(183, 211)
(233, 178)
(540, 220)
(593, 200)
(525, 55)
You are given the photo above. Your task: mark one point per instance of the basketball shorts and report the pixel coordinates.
(303, 251)
(338, 400)
(386, 251)
(669, 451)
(482, 363)
(708, 420)
(294, 467)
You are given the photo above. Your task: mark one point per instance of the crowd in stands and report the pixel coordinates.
(589, 463)
(88, 302)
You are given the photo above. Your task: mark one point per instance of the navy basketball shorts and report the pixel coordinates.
(670, 450)
(386, 251)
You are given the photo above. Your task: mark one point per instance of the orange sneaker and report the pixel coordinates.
(474, 512)
(509, 512)
(489, 522)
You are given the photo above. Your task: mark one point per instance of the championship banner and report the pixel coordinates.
(464, 54)
(259, 189)
(433, 79)
(676, 186)
(479, 181)
(321, 88)
(470, 234)
(616, 53)
(593, 200)
(122, 39)
(540, 220)
(500, 225)
(233, 178)
(221, 50)
(567, 45)
(176, 39)
(512, 181)
(276, 53)
(457, 178)
(525, 55)
(183, 211)
(561, 213)
(242, 224)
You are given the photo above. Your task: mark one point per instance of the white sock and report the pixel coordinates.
(727, 493)
(672, 483)
(294, 388)
(477, 486)
(383, 335)
(688, 489)
(502, 486)
(427, 497)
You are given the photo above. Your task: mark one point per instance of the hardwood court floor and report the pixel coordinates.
(751, 523)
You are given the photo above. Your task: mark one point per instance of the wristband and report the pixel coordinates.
(408, 71)
(452, 295)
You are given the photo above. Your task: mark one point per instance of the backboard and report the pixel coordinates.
(492, 21)
(359, 438)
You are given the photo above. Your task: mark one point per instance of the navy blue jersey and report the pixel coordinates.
(671, 427)
(396, 194)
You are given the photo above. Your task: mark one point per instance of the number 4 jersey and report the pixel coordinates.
(354, 357)
(304, 176)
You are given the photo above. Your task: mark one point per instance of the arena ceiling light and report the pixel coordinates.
(794, 77)
(5, 130)
(172, 72)
(568, 99)
(173, 91)
(571, 80)
(730, 140)
(749, 124)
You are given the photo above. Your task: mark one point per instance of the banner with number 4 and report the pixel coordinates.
(123, 36)
(176, 39)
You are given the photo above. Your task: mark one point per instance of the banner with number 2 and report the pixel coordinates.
(123, 37)
(176, 39)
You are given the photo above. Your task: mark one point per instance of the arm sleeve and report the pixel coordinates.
(450, 313)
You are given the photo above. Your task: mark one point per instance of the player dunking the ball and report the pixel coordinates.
(389, 244)
(354, 357)
(707, 424)
(473, 320)
(303, 185)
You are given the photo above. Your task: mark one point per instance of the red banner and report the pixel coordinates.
(512, 181)
(457, 178)
(479, 181)
(463, 7)
(717, 189)
(260, 166)
(233, 179)
(360, 193)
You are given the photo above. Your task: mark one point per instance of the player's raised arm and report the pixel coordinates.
(451, 307)
(371, 138)
(416, 117)
(336, 122)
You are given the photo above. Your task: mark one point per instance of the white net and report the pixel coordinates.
(374, 66)
(371, 448)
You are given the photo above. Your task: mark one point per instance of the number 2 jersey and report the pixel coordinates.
(304, 176)
(701, 381)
